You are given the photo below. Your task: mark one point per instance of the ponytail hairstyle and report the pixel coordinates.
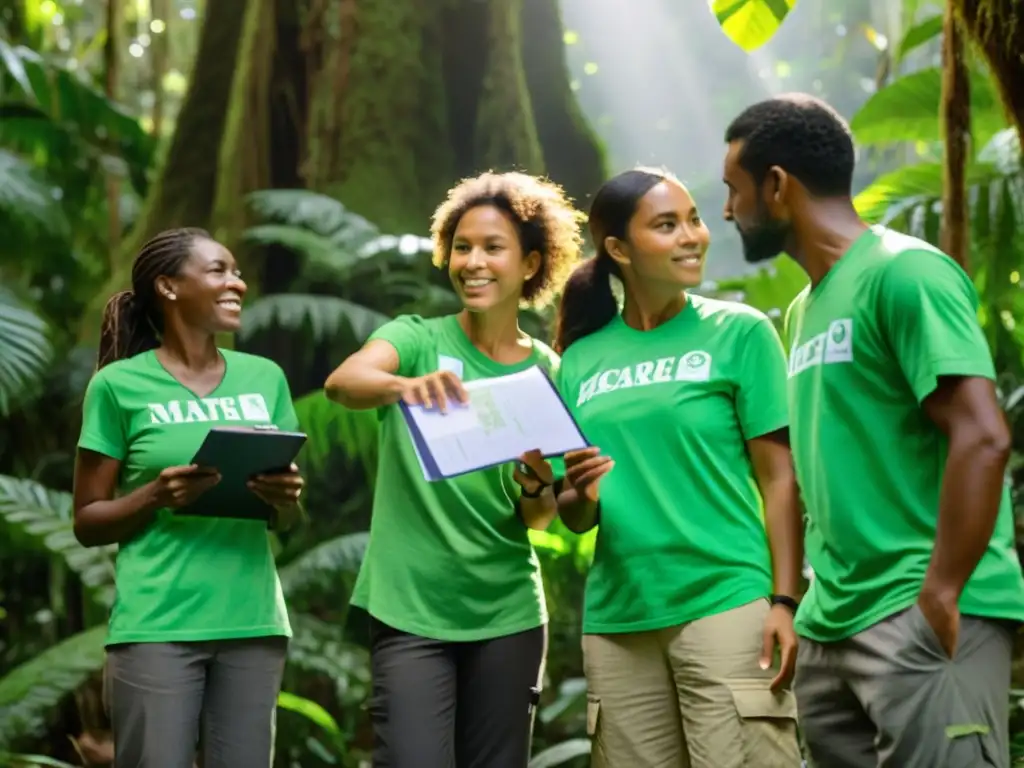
(132, 320)
(588, 303)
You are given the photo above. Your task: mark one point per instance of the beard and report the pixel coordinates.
(765, 240)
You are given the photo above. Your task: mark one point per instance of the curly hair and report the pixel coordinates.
(545, 219)
(801, 134)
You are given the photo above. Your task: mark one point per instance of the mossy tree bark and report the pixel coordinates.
(997, 27)
(380, 103)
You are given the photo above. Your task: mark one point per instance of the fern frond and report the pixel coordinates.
(25, 350)
(305, 242)
(321, 564)
(319, 213)
(45, 517)
(324, 315)
(330, 426)
(29, 692)
(25, 199)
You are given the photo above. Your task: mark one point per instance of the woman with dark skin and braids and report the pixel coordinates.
(198, 632)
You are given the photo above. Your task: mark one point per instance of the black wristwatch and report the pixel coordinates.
(536, 494)
(785, 600)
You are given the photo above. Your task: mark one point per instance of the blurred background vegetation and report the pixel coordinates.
(314, 137)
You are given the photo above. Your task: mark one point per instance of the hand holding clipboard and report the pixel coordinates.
(256, 469)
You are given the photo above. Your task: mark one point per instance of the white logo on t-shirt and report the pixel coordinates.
(839, 343)
(251, 407)
(694, 366)
(691, 366)
(833, 346)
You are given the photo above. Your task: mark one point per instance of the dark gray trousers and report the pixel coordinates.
(890, 696)
(439, 704)
(167, 699)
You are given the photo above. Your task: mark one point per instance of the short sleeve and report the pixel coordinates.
(408, 334)
(928, 310)
(102, 420)
(284, 415)
(761, 398)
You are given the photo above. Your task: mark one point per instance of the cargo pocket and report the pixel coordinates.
(967, 747)
(768, 725)
(593, 714)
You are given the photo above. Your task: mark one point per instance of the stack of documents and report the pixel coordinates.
(505, 417)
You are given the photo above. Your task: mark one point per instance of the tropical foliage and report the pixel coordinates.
(81, 176)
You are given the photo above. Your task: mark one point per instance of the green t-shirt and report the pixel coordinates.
(681, 534)
(186, 578)
(867, 345)
(449, 560)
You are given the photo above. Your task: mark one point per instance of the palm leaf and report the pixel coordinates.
(321, 564)
(45, 517)
(318, 213)
(26, 200)
(74, 112)
(324, 316)
(910, 186)
(25, 350)
(305, 242)
(29, 692)
(330, 426)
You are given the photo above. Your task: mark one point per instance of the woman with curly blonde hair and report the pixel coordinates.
(450, 580)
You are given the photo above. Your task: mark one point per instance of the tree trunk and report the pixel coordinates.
(381, 103)
(184, 190)
(956, 124)
(997, 27)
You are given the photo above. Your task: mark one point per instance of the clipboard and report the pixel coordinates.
(238, 453)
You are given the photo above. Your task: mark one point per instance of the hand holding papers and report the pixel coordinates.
(504, 418)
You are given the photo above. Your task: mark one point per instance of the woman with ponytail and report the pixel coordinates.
(684, 399)
(198, 631)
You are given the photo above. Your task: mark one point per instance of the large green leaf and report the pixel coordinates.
(65, 109)
(45, 517)
(29, 693)
(751, 23)
(25, 350)
(908, 110)
(921, 33)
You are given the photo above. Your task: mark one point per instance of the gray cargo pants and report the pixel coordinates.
(890, 696)
(165, 698)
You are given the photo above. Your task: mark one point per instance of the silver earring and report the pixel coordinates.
(171, 296)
